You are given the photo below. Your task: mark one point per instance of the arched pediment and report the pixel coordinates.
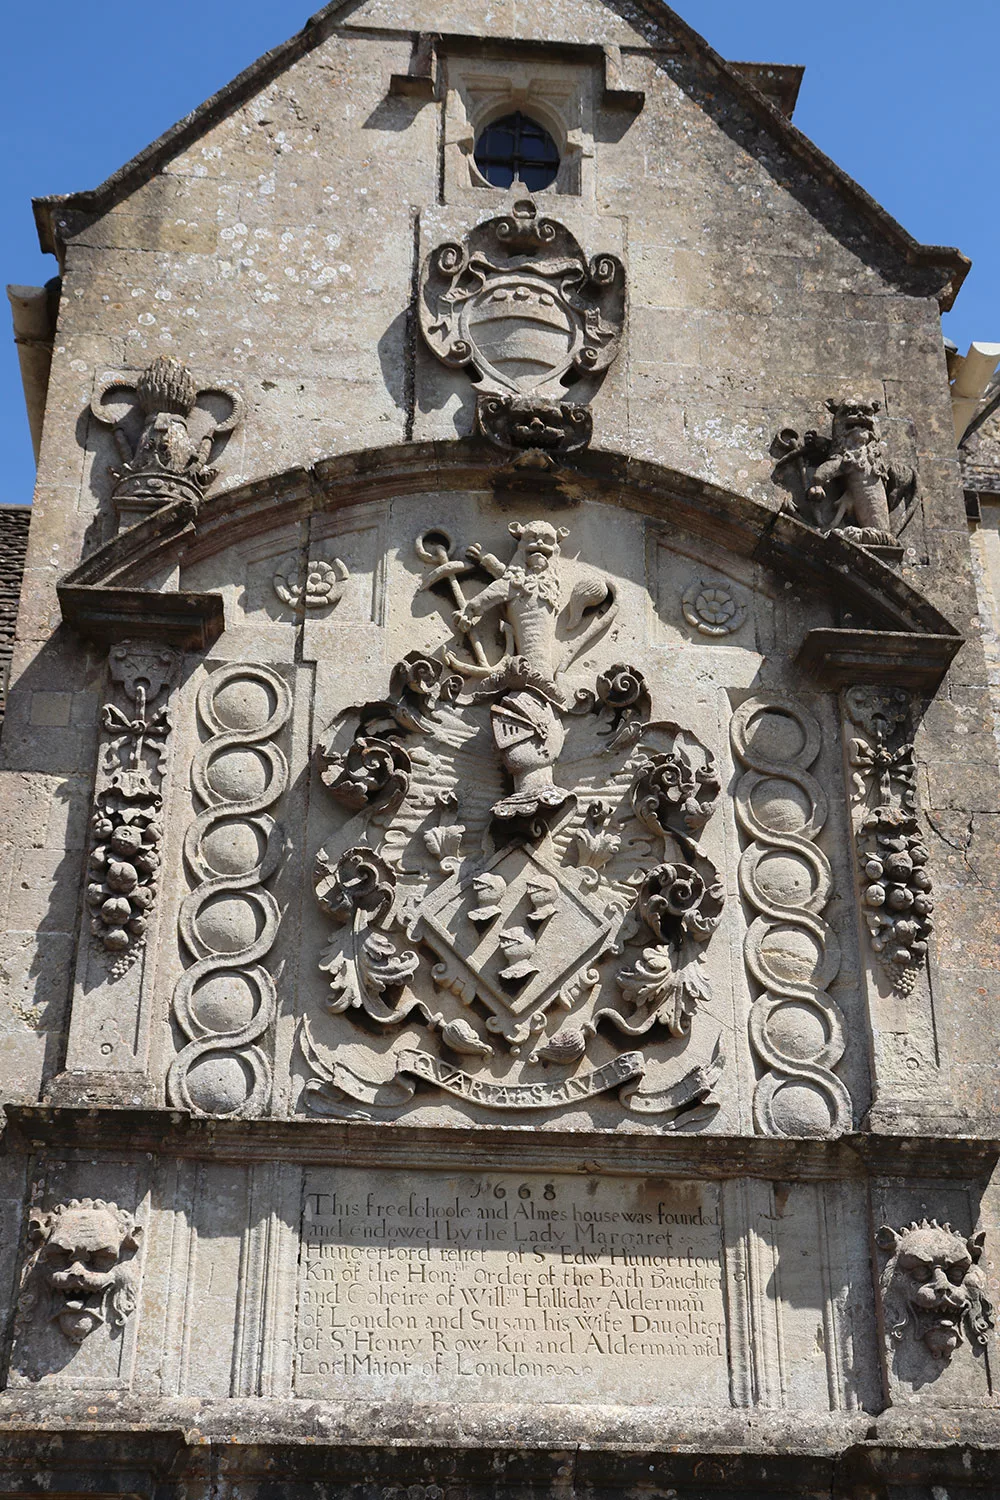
(895, 633)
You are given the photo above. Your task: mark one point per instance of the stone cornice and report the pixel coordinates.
(179, 534)
(138, 1132)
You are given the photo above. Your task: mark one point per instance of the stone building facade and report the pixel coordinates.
(501, 800)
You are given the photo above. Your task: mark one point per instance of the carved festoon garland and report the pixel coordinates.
(519, 306)
(791, 953)
(80, 1272)
(127, 826)
(846, 482)
(895, 884)
(225, 1001)
(520, 899)
(167, 458)
(933, 1285)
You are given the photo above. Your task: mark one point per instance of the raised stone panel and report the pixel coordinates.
(503, 1288)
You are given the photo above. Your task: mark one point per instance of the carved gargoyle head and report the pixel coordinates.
(82, 1256)
(537, 545)
(855, 422)
(932, 1280)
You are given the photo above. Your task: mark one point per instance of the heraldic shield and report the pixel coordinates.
(518, 897)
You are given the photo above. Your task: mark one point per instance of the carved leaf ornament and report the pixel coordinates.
(519, 903)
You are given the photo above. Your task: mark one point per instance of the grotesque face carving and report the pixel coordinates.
(855, 423)
(933, 1277)
(538, 544)
(81, 1254)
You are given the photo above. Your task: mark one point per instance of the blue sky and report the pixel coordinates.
(902, 94)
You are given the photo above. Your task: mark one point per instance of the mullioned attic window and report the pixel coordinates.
(516, 148)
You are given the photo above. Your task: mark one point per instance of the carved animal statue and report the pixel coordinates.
(81, 1254)
(933, 1281)
(855, 483)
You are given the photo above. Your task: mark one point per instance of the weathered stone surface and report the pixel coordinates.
(500, 861)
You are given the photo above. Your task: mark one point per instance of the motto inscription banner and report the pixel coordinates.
(507, 1287)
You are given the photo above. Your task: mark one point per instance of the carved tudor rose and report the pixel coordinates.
(520, 899)
(518, 305)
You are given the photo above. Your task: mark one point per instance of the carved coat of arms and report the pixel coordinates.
(519, 900)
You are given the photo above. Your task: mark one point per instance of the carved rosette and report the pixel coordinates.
(127, 822)
(519, 901)
(791, 954)
(165, 428)
(896, 889)
(319, 584)
(225, 1002)
(520, 307)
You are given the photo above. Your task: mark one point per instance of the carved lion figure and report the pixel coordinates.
(856, 481)
(932, 1279)
(81, 1262)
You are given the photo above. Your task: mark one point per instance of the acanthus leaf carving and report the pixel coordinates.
(492, 804)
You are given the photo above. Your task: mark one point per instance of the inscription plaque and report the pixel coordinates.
(507, 1287)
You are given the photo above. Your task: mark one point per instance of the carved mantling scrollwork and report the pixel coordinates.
(896, 888)
(520, 307)
(520, 846)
